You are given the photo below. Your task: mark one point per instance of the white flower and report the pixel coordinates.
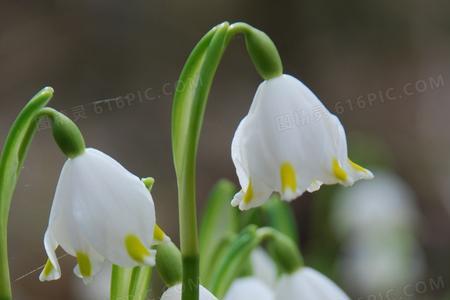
(249, 288)
(101, 214)
(308, 284)
(388, 198)
(174, 293)
(263, 267)
(289, 143)
(377, 222)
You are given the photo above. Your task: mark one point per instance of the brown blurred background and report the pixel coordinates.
(345, 51)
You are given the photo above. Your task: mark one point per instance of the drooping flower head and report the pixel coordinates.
(307, 283)
(174, 293)
(289, 143)
(249, 288)
(101, 214)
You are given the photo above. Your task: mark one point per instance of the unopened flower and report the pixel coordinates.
(174, 293)
(308, 284)
(289, 143)
(101, 214)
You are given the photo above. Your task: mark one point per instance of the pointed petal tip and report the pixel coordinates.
(288, 195)
(49, 273)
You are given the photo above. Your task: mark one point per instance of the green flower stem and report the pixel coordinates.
(11, 161)
(187, 118)
(229, 267)
(140, 283)
(120, 282)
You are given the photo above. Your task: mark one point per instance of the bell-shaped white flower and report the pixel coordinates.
(249, 288)
(289, 143)
(101, 214)
(174, 293)
(308, 284)
(389, 249)
(263, 267)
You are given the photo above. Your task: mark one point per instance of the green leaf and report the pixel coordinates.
(11, 161)
(217, 253)
(233, 261)
(219, 220)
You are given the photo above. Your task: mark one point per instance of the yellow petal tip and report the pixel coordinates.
(338, 172)
(288, 177)
(136, 250)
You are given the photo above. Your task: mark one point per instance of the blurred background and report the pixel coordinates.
(382, 66)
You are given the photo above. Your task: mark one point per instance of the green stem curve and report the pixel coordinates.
(284, 251)
(11, 161)
(187, 118)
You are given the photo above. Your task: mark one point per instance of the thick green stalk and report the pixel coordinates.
(187, 118)
(187, 111)
(11, 161)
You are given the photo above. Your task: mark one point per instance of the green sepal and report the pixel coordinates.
(148, 182)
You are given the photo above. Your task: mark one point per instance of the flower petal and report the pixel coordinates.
(249, 288)
(51, 269)
(89, 264)
(174, 293)
(110, 205)
(309, 284)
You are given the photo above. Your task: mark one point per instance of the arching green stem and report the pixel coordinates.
(284, 251)
(187, 118)
(11, 161)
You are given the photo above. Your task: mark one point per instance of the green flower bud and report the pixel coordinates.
(168, 263)
(66, 134)
(261, 49)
